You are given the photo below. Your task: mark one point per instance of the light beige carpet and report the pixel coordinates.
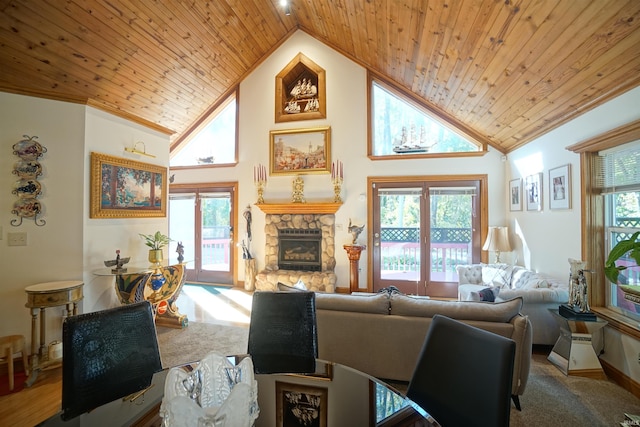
(553, 399)
(550, 399)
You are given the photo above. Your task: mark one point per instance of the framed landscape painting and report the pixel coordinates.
(560, 187)
(533, 192)
(515, 194)
(300, 151)
(123, 188)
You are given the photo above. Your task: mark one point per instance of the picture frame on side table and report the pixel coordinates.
(560, 187)
(533, 192)
(295, 400)
(300, 151)
(124, 188)
(515, 194)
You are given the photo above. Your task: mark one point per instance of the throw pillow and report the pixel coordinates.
(298, 287)
(488, 294)
(497, 275)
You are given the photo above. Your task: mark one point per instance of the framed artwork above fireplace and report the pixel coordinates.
(300, 151)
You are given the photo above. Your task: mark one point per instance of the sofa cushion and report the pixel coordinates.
(497, 275)
(529, 280)
(377, 303)
(403, 305)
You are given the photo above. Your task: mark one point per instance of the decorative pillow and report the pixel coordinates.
(489, 294)
(497, 275)
(298, 287)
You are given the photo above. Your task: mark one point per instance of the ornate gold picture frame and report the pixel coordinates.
(123, 188)
(300, 151)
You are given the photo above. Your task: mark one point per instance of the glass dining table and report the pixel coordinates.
(342, 396)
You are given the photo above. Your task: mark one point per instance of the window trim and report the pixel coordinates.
(593, 222)
(202, 122)
(437, 115)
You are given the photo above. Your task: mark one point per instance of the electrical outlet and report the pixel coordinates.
(17, 239)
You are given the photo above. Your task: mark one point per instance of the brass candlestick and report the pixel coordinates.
(337, 187)
(260, 187)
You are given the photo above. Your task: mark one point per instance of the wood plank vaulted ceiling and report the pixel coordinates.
(506, 71)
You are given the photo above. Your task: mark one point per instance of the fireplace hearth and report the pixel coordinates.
(299, 249)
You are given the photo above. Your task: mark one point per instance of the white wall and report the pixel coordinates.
(70, 245)
(346, 114)
(548, 238)
(53, 251)
(108, 134)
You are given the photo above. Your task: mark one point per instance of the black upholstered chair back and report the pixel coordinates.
(463, 375)
(283, 333)
(107, 355)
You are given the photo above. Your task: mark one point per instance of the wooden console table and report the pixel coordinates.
(40, 297)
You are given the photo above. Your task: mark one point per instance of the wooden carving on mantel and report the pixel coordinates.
(300, 91)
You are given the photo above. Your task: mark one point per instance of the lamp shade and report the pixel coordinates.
(497, 240)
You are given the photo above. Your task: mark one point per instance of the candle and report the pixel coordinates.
(341, 176)
(333, 170)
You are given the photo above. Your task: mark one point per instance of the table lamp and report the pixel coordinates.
(497, 241)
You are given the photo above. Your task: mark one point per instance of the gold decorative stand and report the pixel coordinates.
(354, 251)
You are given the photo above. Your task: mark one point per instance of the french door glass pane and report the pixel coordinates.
(182, 206)
(451, 211)
(400, 234)
(215, 209)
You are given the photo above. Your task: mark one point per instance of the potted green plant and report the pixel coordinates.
(156, 242)
(631, 246)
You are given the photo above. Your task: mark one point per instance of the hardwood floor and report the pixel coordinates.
(33, 405)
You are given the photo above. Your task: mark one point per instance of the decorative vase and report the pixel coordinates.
(155, 256)
(157, 280)
(250, 274)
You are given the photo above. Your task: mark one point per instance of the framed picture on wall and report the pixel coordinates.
(300, 151)
(295, 402)
(560, 187)
(123, 188)
(515, 194)
(533, 192)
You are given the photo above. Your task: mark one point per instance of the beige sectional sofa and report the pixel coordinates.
(382, 334)
(539, 293)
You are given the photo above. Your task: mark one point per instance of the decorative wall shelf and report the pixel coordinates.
(299, 208)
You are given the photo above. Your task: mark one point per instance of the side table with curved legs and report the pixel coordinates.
(40, 297)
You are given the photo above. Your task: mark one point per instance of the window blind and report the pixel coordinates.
(618, 170)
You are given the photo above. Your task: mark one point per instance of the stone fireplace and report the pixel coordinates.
(299, 247)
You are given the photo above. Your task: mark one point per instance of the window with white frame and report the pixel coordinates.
(620, 184)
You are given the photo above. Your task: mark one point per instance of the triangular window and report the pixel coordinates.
(401, 127)
(214, 143)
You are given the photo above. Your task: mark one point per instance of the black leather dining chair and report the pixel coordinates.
(463, 375)
(283, 334)
(107, 355)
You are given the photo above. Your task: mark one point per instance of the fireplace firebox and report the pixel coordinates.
(300, 249)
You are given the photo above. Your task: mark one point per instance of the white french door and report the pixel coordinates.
(202, 219)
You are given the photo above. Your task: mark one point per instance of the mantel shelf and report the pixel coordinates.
(299, 208)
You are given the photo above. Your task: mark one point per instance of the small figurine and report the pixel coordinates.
(355, 231)
(180, 252)
(118, 263)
